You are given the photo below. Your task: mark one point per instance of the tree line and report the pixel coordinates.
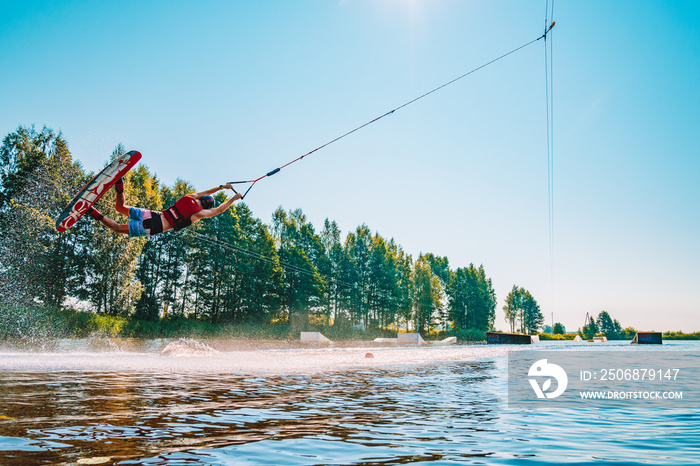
(606, 326)
(229, 269)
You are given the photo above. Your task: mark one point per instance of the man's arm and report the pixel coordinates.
(206, 213)
(211, 191)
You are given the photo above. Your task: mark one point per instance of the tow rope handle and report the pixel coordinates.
(221, 186)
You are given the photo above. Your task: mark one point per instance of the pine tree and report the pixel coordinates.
(609, 327)
(532, 315)
(472, 299)
(301, 255)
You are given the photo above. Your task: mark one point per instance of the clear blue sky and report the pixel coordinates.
(213, 91)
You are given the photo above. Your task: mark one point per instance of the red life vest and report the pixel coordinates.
(179, 214)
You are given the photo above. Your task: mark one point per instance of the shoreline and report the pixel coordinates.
(236, 356)
(196, 358)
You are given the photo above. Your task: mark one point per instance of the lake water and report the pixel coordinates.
(101, 401)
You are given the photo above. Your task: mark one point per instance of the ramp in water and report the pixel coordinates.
(409, 338)
(314, 337)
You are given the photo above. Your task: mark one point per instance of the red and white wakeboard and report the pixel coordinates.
(95, 188)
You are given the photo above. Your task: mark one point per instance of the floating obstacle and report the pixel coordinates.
(647, 338)
(578, 338)
(416, 339)
(497, 338)
(445, 342)
(409, 338)
(187, 347)
(402, 338)
(599, 340)
(315, 337)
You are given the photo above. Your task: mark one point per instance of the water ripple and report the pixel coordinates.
(450, 412)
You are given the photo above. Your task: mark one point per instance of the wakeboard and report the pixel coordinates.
(95, 188)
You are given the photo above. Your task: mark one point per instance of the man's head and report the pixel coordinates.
(207, 202)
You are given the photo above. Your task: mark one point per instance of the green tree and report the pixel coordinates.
(590, 329)
(358, 246)
(558, 329)
(258, 282)
(522, 307)
(513, 307)
(112, 287)
(609, 327)
(405, 288)
(384, 293)
(426, 296)
(165, 262)
(348, 289)
(212, 268)
(440, 266)
(37, 175)
(532, 315)
(380, 278)
(245, 273)
(330, 238)
(301, 255)
(25, 157)
(472, 299)
(397, 286)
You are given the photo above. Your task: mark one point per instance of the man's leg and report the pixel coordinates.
(119, 205)
(108, 222)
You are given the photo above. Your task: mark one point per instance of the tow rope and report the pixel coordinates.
(276, 170)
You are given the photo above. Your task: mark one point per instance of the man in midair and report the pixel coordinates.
(187, 210)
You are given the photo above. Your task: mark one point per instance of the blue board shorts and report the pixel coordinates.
(144, 222)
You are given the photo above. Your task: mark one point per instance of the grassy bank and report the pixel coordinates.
(21, 322)
(681, 336)
(552, 336)
(36, 322)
